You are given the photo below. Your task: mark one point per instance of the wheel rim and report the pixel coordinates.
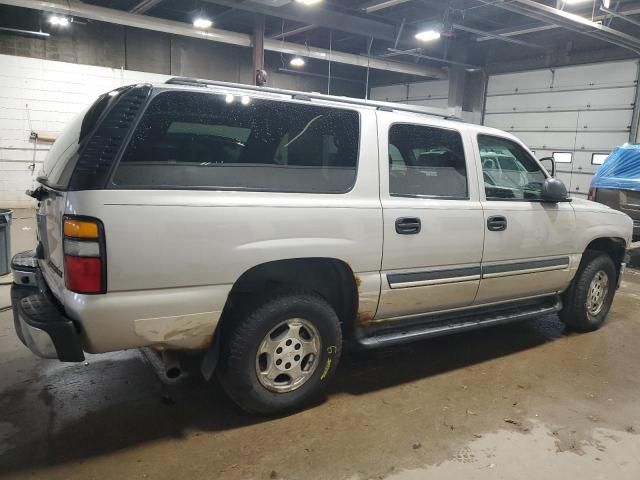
(288, 355)
(597, 294)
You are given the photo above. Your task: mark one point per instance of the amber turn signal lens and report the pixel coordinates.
(80, 228)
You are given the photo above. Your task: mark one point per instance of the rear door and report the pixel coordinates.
(433, 224)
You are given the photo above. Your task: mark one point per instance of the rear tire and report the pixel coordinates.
(281, 355)
(588, 300)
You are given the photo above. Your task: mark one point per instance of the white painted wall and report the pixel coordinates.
(582, 110)
(49, 93)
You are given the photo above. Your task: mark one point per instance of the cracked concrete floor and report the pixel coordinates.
(518, 401)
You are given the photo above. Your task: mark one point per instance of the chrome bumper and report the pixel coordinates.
(40, 322)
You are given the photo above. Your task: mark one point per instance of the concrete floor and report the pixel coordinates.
(520, 401)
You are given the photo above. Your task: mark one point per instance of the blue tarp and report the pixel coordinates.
(621, 169)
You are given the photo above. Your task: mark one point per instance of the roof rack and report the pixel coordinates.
(384, 106)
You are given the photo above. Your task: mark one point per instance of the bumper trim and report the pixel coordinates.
(42, 327)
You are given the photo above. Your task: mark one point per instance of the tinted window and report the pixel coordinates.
(509, 171)
(192, 139)
(426, 161)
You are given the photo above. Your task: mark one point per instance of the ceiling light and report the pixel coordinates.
(308, 2)
(606, 3)
(575, 2)
(58, 20)
(202, 22)
(428, 35)
(297, 62)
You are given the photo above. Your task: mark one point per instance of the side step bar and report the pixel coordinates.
(393, 333)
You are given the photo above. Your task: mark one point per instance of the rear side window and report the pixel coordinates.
(203, 140)
(426, 162)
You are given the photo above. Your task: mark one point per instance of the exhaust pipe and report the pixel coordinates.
(171, 361)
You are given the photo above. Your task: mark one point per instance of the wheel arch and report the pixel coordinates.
(331, 278)
(615, 247)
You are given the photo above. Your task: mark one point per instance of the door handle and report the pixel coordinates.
(497, 223)
(408, 225)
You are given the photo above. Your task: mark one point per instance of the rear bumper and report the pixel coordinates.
(39, 321)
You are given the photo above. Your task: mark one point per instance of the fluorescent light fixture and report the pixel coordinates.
(428, 35)
(606, 3)
(202, 22)
(575, 2)
(245, 100)
(308, 2)
(297, 62)
(229, 98)
(58, 20)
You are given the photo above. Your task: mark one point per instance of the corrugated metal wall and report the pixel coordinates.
(578, 113)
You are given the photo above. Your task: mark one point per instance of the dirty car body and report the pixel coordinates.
(171, 215)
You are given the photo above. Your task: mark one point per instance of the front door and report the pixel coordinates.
(433, 223)
(528, 243)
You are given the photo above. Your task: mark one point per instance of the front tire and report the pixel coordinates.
(588, 300)
(282, 355)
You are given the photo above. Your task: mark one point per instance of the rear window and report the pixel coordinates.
(203, 140)
(61, 158)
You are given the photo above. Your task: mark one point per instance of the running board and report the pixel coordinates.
(390, 332)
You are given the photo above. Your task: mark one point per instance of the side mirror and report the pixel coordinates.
(553, 190)
(550, 164)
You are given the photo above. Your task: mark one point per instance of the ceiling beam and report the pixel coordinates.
(570, 21)
(621, 16)
(417, 53)
(294, 31)
(144, 6)
(577, 19)
(511, 32)
(118, 17)
(376, 5)
(321, 17)
(514, 32)
(497, 36)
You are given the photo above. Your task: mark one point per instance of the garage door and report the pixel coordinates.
(576, 114)
(427, 94)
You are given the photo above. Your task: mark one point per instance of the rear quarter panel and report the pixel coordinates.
(174, 255)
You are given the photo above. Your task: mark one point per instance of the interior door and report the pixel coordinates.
(433, 222)
(528, 247)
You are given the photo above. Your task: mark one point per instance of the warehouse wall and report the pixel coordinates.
(42, 96)
(579, 113)
(463, 97)
(433, 94)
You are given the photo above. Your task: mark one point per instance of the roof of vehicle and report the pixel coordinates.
(297, 95)
(442, 115)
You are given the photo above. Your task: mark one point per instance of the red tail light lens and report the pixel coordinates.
(83, 275)
(84, 255)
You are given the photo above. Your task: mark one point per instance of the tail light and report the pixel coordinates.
(85, 267)
(592, 193)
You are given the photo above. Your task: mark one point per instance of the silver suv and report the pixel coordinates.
(264, 228)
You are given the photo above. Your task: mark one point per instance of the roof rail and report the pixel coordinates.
(385, 106)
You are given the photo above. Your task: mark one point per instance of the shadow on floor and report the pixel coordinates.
(63, 412)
